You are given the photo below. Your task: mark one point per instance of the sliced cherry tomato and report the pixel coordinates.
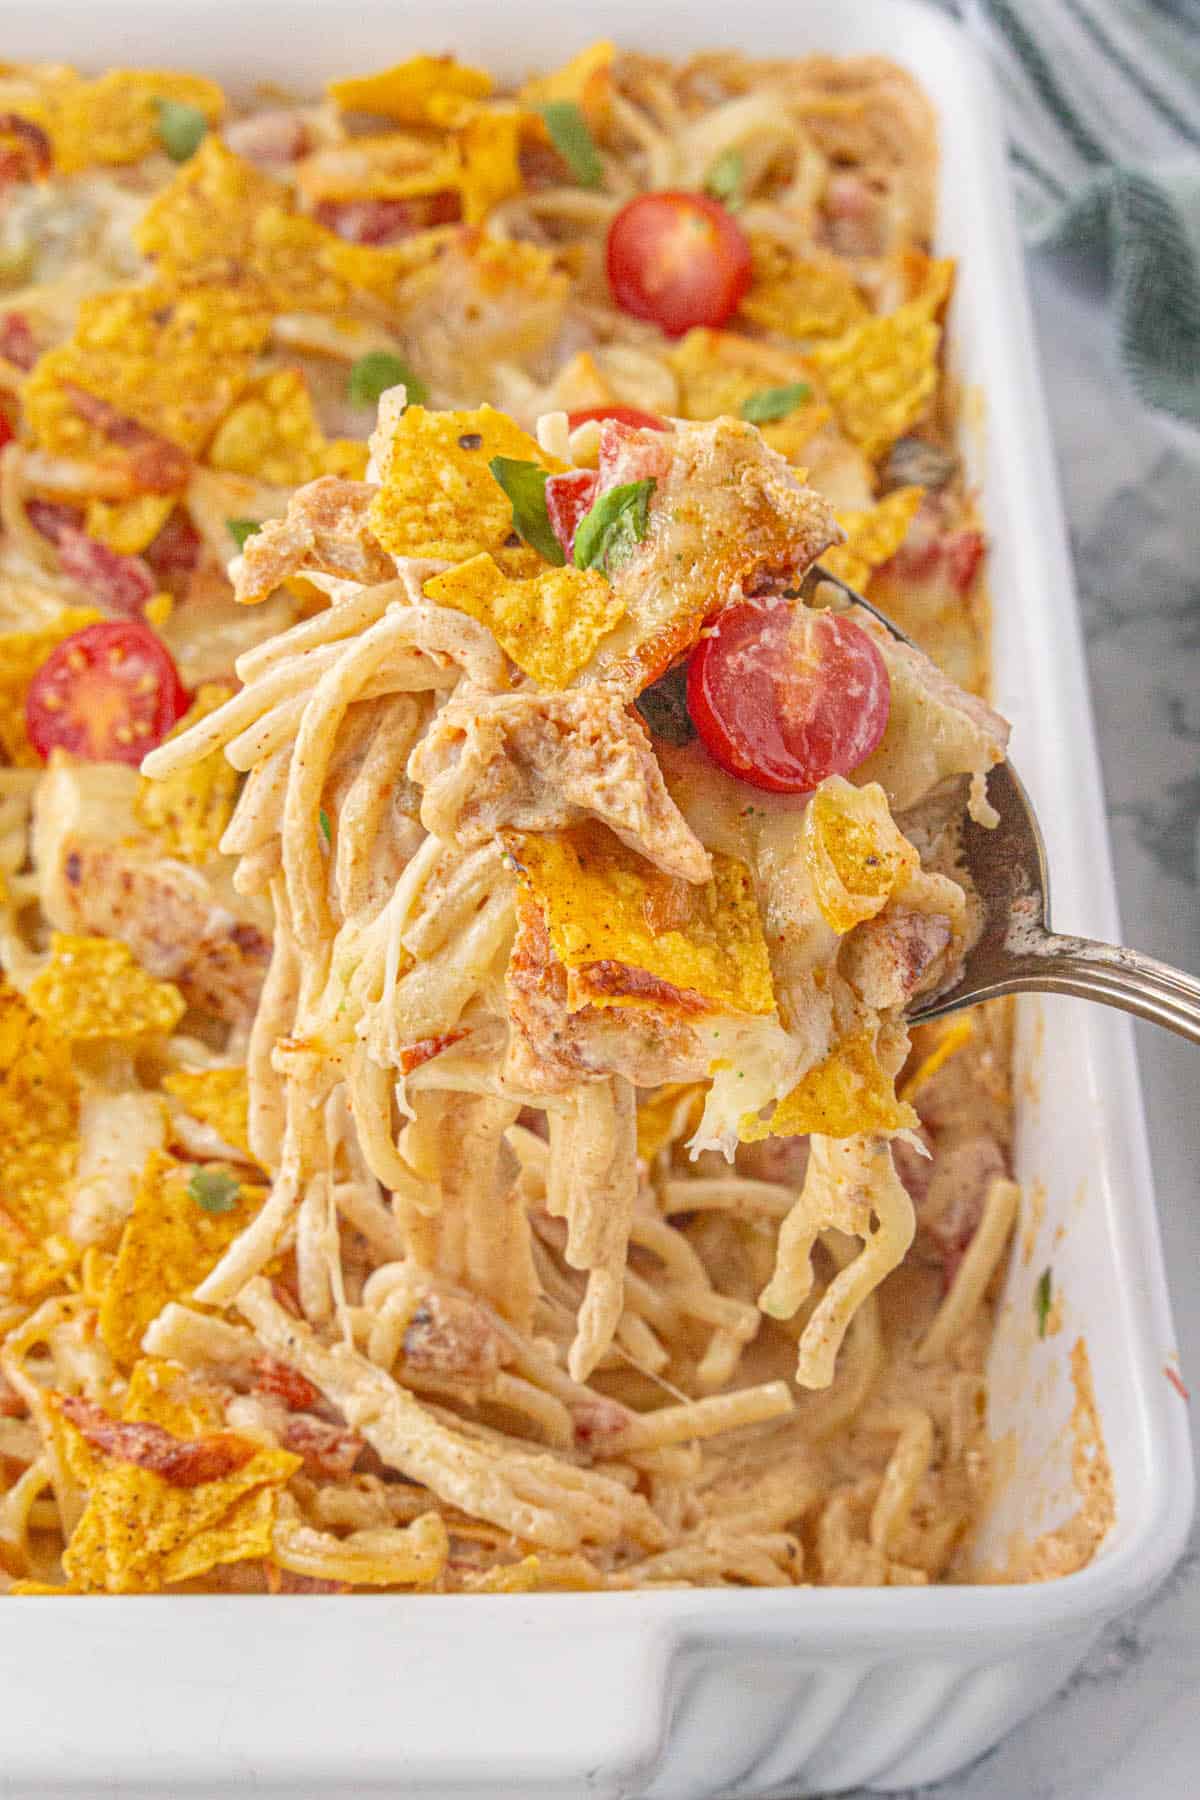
(625, 415)
(6, 431)
(108, 693)
(568, 498)
(679, 259)
(784, 697)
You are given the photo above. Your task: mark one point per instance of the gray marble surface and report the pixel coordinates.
(1128, 1725)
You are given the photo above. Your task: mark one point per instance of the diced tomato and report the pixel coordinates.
(108, 693)
(568, 498)
(17, 343)
(784, 697)
(283, 1382)
(387, 221)
(964, 553)
(52, 517)
(175, 551)
(625, 415)
(679, 259)
(26, 153)
(6, 431)
(121, 584)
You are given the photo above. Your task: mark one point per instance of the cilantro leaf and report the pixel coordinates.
(214, 1190)
(663, 705)
(1042, 1298)
(525, 485)
(724, 179)
(607, 534)
(182, 128)
(326, 828)
(373, 374)
(769, 404)
(242, 529)
(572, 138)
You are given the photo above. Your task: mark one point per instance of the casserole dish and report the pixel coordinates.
(693, 1693)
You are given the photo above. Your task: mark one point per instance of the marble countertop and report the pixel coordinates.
(1128, 1724)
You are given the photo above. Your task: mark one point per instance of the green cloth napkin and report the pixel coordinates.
(1103, 108)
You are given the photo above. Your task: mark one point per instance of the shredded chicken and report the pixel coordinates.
(324, 532)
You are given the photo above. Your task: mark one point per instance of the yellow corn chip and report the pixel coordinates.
(128, 526)
(847, 1093)
(490, 172)
(929, 281)
(346, 457)
(173, 362)
(881, 375)
(93, 987)
(438, 496)
(39, 1116)
(604, 905)
(218, 1097)
(797, 296)
(948, 1037)
(189, 809)
(139, 1533)
(549, 624)
(586, 79)
(872, 536)
(425, 90)
(718, 371)
(200, 225)
(22, 654)
(168, 1245)
(271, 433)
(111, 120)
(669, 1115)
(855, 854)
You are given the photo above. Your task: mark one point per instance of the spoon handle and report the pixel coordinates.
(1116, 976)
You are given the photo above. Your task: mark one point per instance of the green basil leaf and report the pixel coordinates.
(616, 523)
(214, 1190)
(525, 485)
(769, 404)
(376, 372)
(326, 827)
(242, 529)
(725, 177)
(572, 138)
(1042, 1299)
(663, 705)
(182, 128)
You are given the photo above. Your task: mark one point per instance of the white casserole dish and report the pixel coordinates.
(679, 1695)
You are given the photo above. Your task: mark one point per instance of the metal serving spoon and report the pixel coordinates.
(1016, 951)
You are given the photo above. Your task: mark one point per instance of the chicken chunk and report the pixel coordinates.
(325, 532)
(900, 953)
(538, 762)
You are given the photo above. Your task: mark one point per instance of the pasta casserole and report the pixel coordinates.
(465, 870)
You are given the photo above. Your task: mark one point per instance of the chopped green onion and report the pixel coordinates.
(724, 179)
(663, 705)
(373, 374)
(1042, 1297)
(608, 533)
(572, 138)
(182, 128)
(769, 404)
(214, 1190)
(242, 529)
(326, 827)
(525, 485)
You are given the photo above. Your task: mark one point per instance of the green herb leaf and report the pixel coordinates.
(663, 705)
(241, 529)
(182, 128)
(572, 138)
(606, 535)
(769, 404)
(326, 827)
(525, 485)
(214, 1190)
(1042, 1297)
(725, 177)
(376, 372)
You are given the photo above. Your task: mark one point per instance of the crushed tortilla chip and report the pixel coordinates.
(549, 625)
(881, 375)
(718, 371)
(128, 526)
(271, 433)
(438, 496)
(39, 1117)
(929, 281)
(671, 1112)
(425, 90)
(855, 854)
(168, 1245)
(797, 296)
(612, 916)
(173, 362)
(490, 172)
(138, 1533)
(22, 654)
(946, 1037)
(586, 79)
(848, 1092)
(112, 120)
(93, 987)
(189, 809)
(217, 1097)
(872, 536)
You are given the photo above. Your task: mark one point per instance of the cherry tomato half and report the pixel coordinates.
(679, 259)
(784, 697)
(625, 415)
(108, 693)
